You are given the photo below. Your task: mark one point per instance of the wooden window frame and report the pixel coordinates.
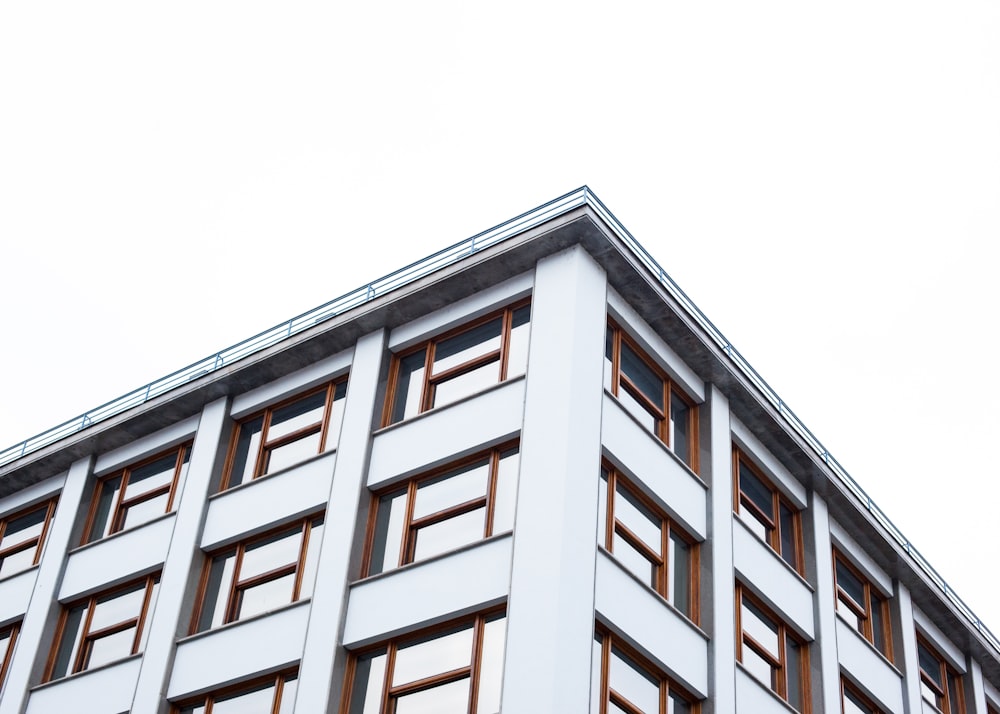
(947, 673)
(265, 447)
(390, 693)
(670, 388)
(36, 542)
(12, 630)
(773, 519)
(667, 687)
(667, 527)
(846, 687)
(863, 611)
(207, 701)
(412, 485)
(235, 587)
(122, 503)
(87, 638)
(430, 380)
(779, 665)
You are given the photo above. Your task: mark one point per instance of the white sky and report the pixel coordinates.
(823, 179)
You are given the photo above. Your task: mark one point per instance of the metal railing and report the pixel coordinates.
(399, 278)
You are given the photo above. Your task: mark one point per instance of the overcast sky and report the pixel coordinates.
(823, 179)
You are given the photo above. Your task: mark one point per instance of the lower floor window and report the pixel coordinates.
(8, 635)
(451, 670)
(624, 683)
(853, 701)
(940, 685)
(274, 695)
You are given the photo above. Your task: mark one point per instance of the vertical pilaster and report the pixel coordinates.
(823, 652)
(908, 658)
(550, 622)
(182, 560)
(329, 600)
(720, 613)
(38, 626)
(975, 691)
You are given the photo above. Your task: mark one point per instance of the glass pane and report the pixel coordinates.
(288, 690)
(366, 690)
(756, 491)
(929, 693)
(120, 607)
(466, 383)
(452, 488)
(145, 511)
(159, 474)
(110, 648)
(955, 693)
(789, 538)
(636, 563)
(850, 583)
(256, 701)
(854, 705)
(72, 635)
(409, 386)
(468, 345)
(491, 666)
(680, 428)
(247, 447)
(506, 495)
(292, 453)
(609, 368)
(679, 573)
(878, 623)
(517, 359)
(678, 705)
(602, 515)
(265, 596)
(305, 412)
(846, 612)
(450, 698)
(760, 668)
(449, 534)
(761, 627)
(388, 532)
(220, 577)
(633, 683)
(930, 664)
(644, 378)
(639, 410)
(105, 502)
(639, 519)
(150, 609)
(275, 552)
(757, 526)
(312, 558)
(336, 417)
(195, 709)
(793, 665)
(23, 528)
(443, 653)
(6, 637)
(16, 561)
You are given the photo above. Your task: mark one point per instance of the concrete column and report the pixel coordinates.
(906, 659)
(317, 674)
(718, 585)
(38, 626)
(975, 691)
(550, 626)
(823, 652)
(182, 564)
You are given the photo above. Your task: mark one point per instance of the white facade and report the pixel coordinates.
(552, 577)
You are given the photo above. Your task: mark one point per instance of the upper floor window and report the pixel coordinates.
(940, 684)
(766, 511)
(455, 670)
(273, 695)
(136, 494)
(862, 605)
(458, 363)
(259, 574)
(286, 433)
(650, 395)
(626, 684)
(854, 702)
(22, 536)
(102, 628)
(8, 636)
(648, 543)
(770, 651)
(443, 510)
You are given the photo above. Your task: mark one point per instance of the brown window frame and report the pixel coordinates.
(863, 611)
(119, 509)
(948, 674)
(430, 380)
(36, 542)
(391, 646)
(412, 485)
(610, 641)
(11, 631)
(779, 665)
(235, 587)
(207, 700)
(668, 526)
(846, 687)
(773, 525)
(620, 381)
(265, 447)
(87, 637)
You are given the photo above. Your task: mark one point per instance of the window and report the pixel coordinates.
(626, 684)
(274, 695)
(648, 543)
(8, 636)
(770, 515)
(22, 536)
(940, 685)
(771, 652)
(854, 702)
(650, 395)
(103, 628)
(458, 363)
(862, 605)
(259, 574)
(137, 494)
(450, 670)
(287, 433)
(443, 510)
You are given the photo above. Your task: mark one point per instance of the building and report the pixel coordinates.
(525, 473)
